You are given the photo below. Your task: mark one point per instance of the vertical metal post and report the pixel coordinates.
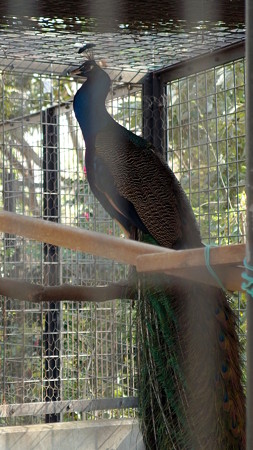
(147, 94)
(154, 112)
(249, 246)
(9, 203)
(51, 259)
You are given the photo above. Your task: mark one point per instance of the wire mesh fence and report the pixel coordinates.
(45, 45)
(69, 351)
(81, 351)
(206, 150)
(206, 136)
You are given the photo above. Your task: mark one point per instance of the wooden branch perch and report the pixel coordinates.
(227, 261)
(22, 290)
(98, 244)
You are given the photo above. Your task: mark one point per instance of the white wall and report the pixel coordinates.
(85, 435)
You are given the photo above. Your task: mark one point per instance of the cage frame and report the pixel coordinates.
(156, 87)
(153, 85)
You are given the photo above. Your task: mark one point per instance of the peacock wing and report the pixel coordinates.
(141, 177)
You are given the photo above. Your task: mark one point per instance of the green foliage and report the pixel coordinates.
(206, 137)
(25, 94)
(206, 149)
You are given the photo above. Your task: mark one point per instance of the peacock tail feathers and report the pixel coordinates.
(190, 394)
(161, 392)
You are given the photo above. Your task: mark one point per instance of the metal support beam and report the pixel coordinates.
(66, 406)
(51, 259)
(154, 112)
(204, 62)
(9, 204)
(249, 245)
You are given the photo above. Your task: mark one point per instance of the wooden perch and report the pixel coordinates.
(227, 261)
(122, 250)
(22, 290)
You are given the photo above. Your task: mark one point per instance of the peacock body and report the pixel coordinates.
(190, 389)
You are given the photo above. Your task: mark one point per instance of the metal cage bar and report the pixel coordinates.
(51, 258)
(249, 251)
(104, 337)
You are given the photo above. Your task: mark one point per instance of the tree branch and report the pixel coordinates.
(24, 291)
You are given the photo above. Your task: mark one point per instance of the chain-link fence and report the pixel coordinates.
(68, 351)
(76, 351)
(206, 150)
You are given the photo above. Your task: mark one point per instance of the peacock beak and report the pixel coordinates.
(82, 70)
(77, 71)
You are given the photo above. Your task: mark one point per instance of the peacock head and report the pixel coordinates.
(86, 69)
(96, 78)
(92, 71)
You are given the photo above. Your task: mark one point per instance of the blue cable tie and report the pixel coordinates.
(247, 285)
(210, 269)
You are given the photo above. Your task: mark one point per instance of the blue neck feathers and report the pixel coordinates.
(89, 106)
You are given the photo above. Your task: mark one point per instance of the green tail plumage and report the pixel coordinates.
(190, 395)
(161, 385)
(162, 399)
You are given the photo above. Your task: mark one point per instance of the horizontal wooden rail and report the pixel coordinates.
(227, 261)
(36, 293)
(98, 244)
(182, 259)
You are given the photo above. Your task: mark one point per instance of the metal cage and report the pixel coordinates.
(179, 82)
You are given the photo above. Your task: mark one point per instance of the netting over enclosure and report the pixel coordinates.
(193, 110)
(91, 352)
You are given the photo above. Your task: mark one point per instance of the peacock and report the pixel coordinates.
(190, 379)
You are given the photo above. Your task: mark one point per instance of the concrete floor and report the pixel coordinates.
(85, 435)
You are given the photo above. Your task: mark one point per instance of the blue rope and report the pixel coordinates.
(210, 269)
(247, 285)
